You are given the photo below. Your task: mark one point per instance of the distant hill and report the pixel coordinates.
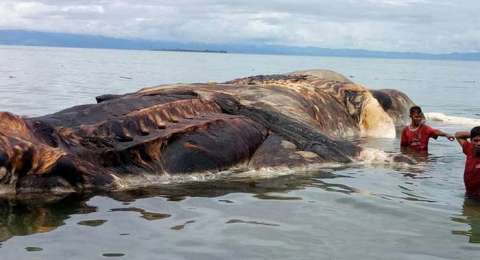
(35, 38)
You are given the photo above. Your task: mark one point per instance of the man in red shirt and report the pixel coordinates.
(471, 149)
(415, 136)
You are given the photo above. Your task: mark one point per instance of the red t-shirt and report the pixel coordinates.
(471, 176)
(417, 139)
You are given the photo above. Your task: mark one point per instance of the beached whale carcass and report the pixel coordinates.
(290, 120)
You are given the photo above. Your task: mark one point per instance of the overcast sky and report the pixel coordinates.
(391, 25)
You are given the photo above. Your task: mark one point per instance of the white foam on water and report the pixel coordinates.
(145, 180)
(368, 156)
(454, 120)
(371, 156)
(272, 172)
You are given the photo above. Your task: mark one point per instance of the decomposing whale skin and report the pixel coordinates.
(288, 120)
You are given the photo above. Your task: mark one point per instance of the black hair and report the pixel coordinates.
(415, 109)
(475, 132)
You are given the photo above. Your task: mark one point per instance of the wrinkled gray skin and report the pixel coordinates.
(288, 120)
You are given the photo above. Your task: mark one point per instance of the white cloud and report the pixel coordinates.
(399, 2)
(394, 25)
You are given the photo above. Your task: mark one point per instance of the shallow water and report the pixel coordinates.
(363, 211)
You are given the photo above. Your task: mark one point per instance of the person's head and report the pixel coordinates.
(416, 115)
(475, 138)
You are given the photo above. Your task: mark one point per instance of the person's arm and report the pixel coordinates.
(437, 132)
(462, 137)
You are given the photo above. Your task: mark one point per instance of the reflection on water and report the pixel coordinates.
(471, 217)
(21, 218)
(92, 223)
(33, 249)
(145, 214)
(180, 227)
(113, 254)
(236, 221)
(276, 197)
(409, 197)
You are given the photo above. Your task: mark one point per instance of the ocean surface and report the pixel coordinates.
(365, 210)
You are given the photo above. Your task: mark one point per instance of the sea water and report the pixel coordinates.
(374, 209)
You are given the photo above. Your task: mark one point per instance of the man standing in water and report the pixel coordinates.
(415, 136)
(471, 149)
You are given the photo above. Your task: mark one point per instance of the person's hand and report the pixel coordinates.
(451, 138)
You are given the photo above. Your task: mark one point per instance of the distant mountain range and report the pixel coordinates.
(35, 38)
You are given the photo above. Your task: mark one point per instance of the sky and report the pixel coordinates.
(431, 26)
